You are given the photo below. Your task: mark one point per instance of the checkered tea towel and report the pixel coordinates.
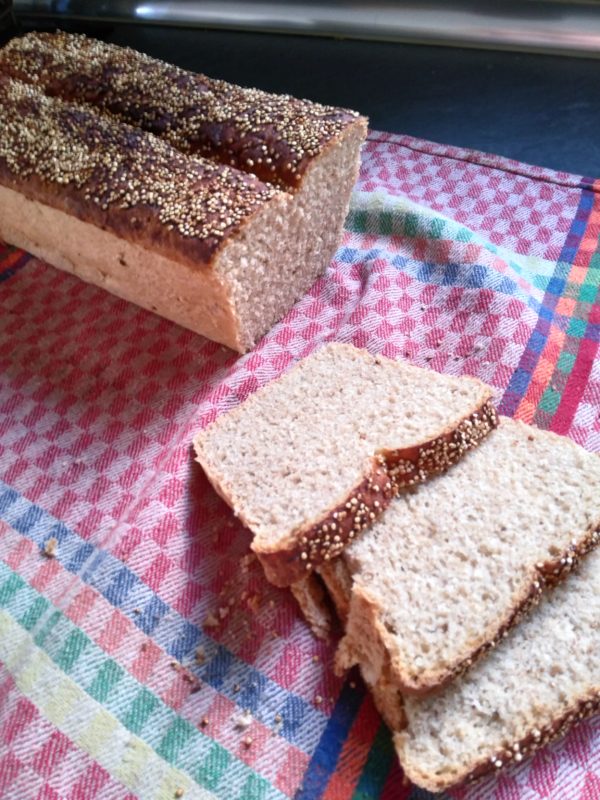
(143, 653)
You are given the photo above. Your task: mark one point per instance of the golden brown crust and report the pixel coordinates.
(120, 178)
(391, 471)
(274, 137)
(513, 752)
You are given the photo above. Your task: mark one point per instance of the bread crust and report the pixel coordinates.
(544, 575)
(513, 752)
(275, 137)
(388, 473)
(115, 177)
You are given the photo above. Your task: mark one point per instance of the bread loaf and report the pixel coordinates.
(313, 458)
(245, 260)
(275, 137)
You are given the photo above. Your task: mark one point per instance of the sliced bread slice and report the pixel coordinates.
(314, 457)
(530, 688)
(451, 567)
(260, 264)
(537, 682)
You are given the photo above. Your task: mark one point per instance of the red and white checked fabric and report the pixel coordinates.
(450, 259)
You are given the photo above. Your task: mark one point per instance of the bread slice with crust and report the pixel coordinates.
(451, 567)
(315, 604)
(530, 688)
(313, 458)
(223, 242)
(541, 679)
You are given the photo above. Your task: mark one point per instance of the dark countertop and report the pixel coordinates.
(537, 108)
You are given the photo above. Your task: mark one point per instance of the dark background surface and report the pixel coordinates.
(541, 109)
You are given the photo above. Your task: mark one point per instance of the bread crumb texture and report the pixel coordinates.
(449, 566)
(530, 689)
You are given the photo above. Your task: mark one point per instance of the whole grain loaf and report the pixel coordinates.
(225, 256)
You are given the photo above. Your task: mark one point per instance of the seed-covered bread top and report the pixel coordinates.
(448, 568)
(115, 176)
(272, 136)
(305, 447)
(537, 682)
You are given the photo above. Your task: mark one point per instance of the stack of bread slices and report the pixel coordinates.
(442, 533)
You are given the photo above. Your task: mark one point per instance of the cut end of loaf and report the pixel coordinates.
(287, 246)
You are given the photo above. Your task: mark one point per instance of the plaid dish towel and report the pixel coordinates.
(143, 653)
